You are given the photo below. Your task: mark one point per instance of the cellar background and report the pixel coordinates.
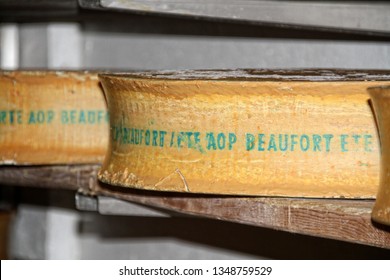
(69, 34)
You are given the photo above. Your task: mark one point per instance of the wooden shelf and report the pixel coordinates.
(344, 16)
(341, 219)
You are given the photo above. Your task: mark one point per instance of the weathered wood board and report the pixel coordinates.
(341, 219)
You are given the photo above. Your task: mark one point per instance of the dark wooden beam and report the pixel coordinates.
(341, 219)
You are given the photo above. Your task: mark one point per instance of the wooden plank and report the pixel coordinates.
(341, 219)
(346, 220)
(340, 16)
(72, 177)
(5, 218)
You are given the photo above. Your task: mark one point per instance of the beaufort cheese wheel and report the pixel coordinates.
(52, 117)
(299, 133)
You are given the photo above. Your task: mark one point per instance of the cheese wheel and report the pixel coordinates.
(52, 117)
(300, 133)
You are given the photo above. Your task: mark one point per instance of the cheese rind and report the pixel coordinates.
(308, 137)
(52, 117)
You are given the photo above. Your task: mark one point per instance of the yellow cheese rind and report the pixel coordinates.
(300, 138)
(52, 117)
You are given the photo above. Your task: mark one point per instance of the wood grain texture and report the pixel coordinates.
(341, 219)
(344, 16)
(5, 219)
(72, 177)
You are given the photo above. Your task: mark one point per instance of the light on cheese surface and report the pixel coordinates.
(52, 117)
(306, 133)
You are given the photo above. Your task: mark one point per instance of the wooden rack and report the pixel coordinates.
(341, 219)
